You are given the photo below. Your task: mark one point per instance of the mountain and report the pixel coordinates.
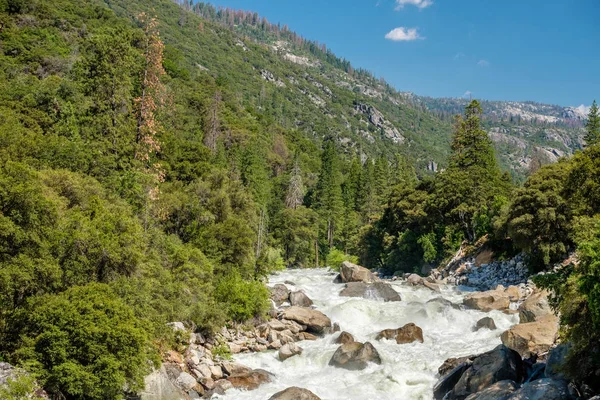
(526, 134)
(368, 115)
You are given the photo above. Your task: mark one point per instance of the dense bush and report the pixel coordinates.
(84, 343)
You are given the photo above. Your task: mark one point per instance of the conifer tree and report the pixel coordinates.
(328, 194)
(592, 137)
(295, 193)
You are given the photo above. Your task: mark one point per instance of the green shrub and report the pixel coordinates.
(336, 257)
(243, 299)
(85, 343)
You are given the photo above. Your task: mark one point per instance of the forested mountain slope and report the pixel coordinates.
(526, 134)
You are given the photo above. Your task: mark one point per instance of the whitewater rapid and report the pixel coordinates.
(408, 371)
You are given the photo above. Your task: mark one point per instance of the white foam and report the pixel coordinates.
(408, 371)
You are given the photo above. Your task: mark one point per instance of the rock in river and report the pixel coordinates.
(314, 320)
(376, 291)
(294, 393)
(488, 368)
(300, 299)
(355, 273)
(355, 356)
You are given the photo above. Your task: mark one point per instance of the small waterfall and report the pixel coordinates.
(408, 371)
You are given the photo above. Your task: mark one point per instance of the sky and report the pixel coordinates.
(540, 50)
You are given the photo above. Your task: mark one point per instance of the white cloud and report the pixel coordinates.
(419, 3)
(458, 56)
(402, 34)
(483, 63)
(468, 93)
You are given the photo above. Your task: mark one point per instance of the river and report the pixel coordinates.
(408, 371)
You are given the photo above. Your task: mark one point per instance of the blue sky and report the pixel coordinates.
(541, 50)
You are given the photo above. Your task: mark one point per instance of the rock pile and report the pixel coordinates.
(501, 374)
(203, 367)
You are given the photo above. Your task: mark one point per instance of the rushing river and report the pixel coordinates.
(408, 371)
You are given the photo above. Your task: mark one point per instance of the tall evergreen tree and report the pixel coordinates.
(468, 188)
(592, 137)
(328, 194)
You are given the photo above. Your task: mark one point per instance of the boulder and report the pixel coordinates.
(300, 299)
(221, 386)
(387, 334)
(186, 381)
(289, 350)
(409, 333)
(532, 337)
(555, 362)
(414, 279)
(376, 291)
(355, 356)
(489, 300)
(216, 372)
(294, 393)
(452, 363)
(498, 390)
(280, 294)
(306, 336)
(432, 286)
(535, 307)
(233, 368)
(485, 322)
(488, 368)
(542, 389)
(314, 320)
(355, 273)
(344, 338)
(447, 382)
(249, 380)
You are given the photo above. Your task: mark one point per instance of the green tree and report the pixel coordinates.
(85, 343)
(328, 194)
(539, 217)
(592, 126)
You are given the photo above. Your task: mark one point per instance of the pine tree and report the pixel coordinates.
(328, 194)
(592, 137)
(471, 145)
(295, 193)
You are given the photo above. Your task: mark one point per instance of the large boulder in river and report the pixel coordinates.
(496, 299)
(355, 356)
(314, 320)
(355, 273)
(532, 337)
(344, 338)
(407, 334)
(499, 390)
(289, 350)
(280, 293)
(376, 291)
(414, 279)
(249, 380)
(542, 389)
(485, 322)
(449, 379)
(488, 368)
(534, 307)
(294, 393)
(300, 299)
